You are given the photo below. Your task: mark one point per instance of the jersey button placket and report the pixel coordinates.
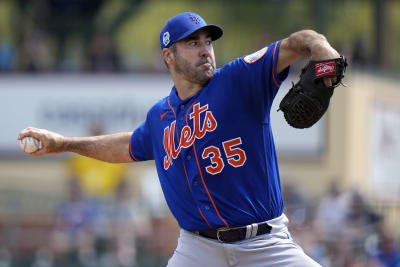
(180, 115)
(189, 161)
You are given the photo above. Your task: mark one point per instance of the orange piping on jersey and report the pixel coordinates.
(183, 163)
(201, 213)
(187, 177)
(176, 131)
(202, 179)
(130, 151)
(205, 187)
(172, 111)
(204, 218)
(187, 113)
(273, 66)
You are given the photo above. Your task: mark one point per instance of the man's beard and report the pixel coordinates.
(193, 73)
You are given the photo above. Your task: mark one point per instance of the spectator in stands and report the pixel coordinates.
(73, 236)
(297, 206)
(331, 212)
(99, 182)
(359, 56)
(103, 55)
(388, 253)
(36, 55)
(126, 226)
(7, 56)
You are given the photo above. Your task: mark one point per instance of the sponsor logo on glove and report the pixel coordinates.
(325, 68)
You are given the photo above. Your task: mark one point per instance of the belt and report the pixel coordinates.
(235, 234)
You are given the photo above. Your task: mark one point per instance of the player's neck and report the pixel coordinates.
(186, 88)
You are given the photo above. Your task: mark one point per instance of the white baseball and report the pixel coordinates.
(30, 144)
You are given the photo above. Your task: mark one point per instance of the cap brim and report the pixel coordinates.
(215, 31)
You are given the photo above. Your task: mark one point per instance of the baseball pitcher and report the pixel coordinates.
(212, 142)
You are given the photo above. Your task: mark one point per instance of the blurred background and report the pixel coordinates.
(84, 67)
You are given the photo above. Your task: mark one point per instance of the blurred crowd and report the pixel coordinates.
(342, 229)
(36, 55)
(60, 36)
(104, 220)
(107, 224)
(66, 36)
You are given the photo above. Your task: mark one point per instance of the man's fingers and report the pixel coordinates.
(25, 132)
(30, 131)
(328, 82)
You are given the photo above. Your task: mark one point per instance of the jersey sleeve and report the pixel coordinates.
(140, 145)
(258, 73)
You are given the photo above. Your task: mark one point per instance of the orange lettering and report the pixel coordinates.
(167, 148)
(187, 139)
(195, 115)
(210, 124)
(176, 152)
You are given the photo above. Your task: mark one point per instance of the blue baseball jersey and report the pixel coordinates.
(214, 152)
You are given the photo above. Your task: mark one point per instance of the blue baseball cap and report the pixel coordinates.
(183, 25)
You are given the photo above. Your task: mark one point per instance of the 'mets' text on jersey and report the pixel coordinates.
(214, 152)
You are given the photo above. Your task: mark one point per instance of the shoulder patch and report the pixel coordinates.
(250, 59)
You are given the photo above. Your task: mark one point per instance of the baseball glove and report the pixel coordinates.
(308, 99)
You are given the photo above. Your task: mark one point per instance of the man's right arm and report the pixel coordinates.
(112, 148)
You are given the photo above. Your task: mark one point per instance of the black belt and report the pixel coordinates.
(235, 234)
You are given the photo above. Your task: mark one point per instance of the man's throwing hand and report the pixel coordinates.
(52, 143)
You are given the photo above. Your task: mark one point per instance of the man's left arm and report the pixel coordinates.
(305, 43)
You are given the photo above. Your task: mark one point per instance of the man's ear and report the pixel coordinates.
(167, 55)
